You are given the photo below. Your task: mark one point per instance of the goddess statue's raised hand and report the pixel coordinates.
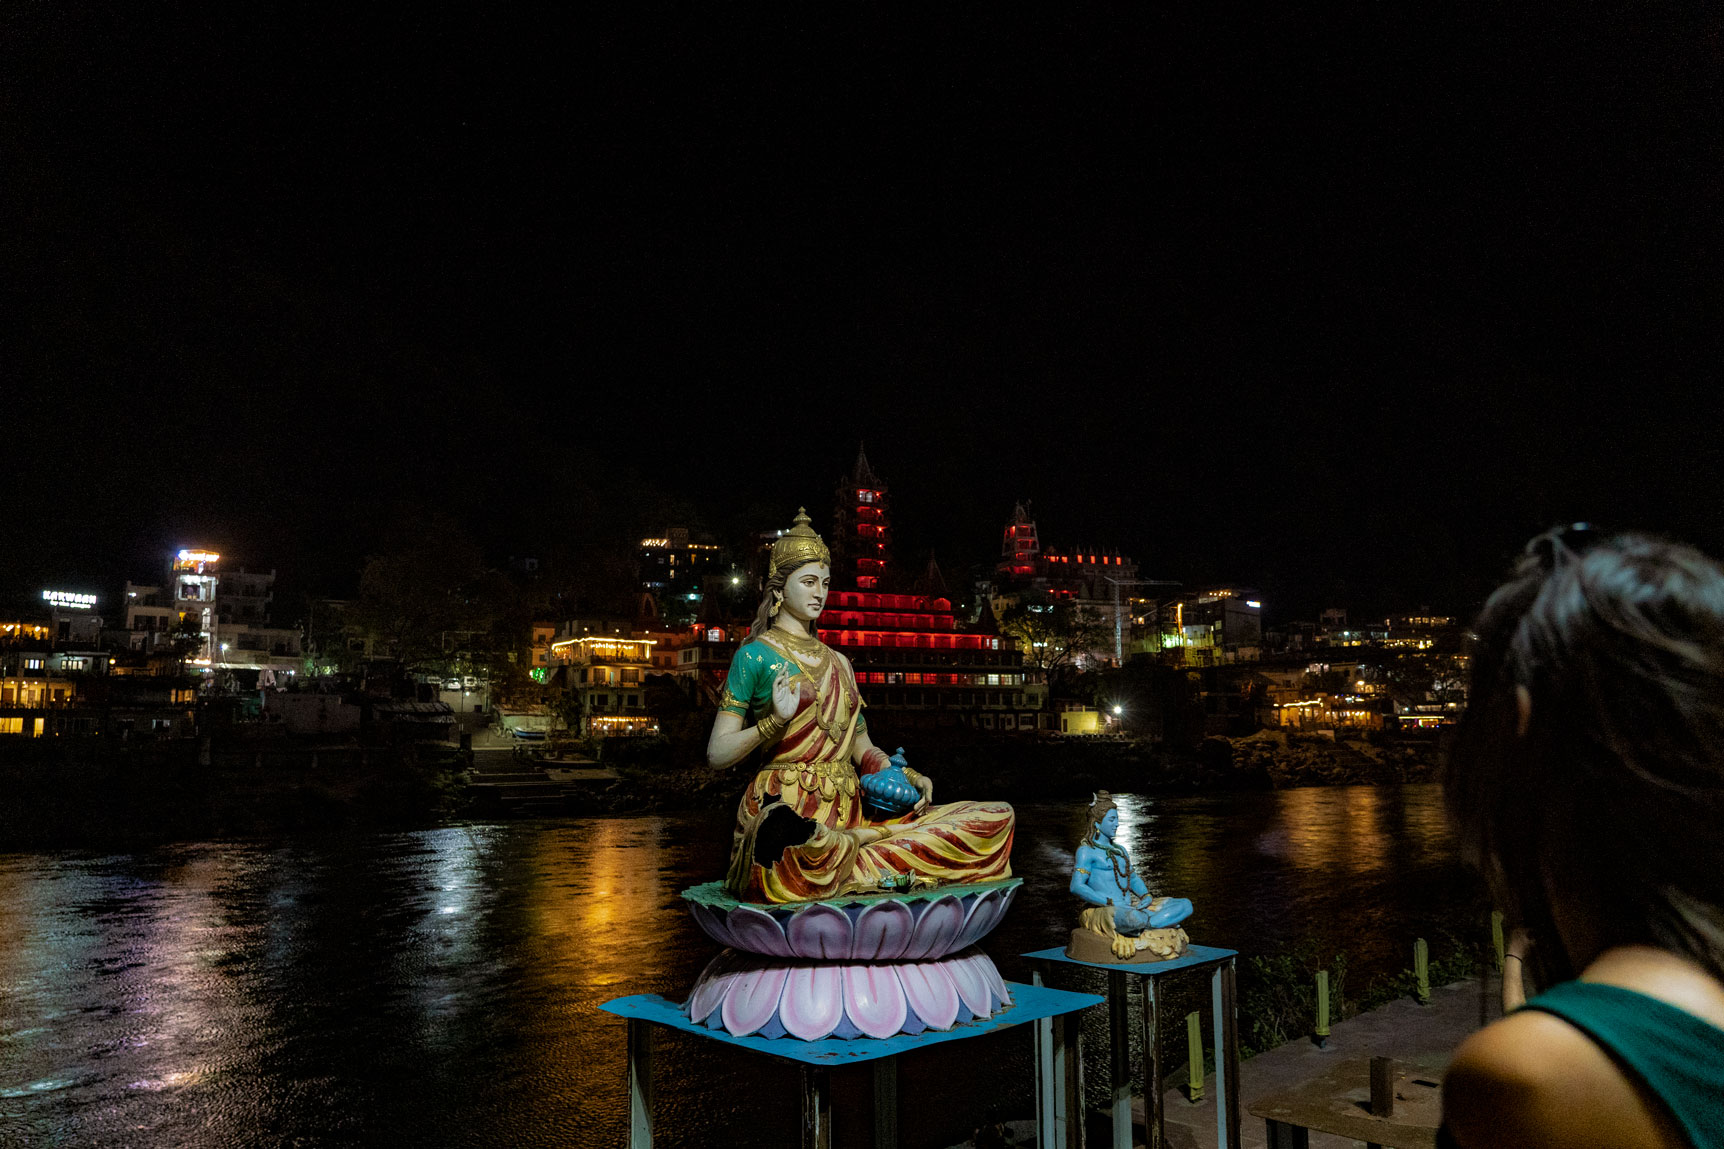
(784, 697)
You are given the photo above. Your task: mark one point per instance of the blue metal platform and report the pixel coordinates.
(1058, 1062)
(1195, 957)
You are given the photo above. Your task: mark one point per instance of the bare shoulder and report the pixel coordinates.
(1534, 1079)
(1671, 978)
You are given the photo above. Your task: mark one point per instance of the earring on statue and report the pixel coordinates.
(776, 603)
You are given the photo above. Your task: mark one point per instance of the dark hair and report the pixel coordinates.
(1613, 797)
(1099, 805)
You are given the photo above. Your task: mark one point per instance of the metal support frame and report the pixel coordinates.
(1053, 1015)
(1119, 1022)
(1067, 1107)
(886, 1102)
(640, 1084)
(1059, 1080)
(1223, 993)
(1154, 1118)
(816, 1107)
(1069, 1056)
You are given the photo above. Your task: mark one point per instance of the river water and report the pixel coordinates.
(441, 987)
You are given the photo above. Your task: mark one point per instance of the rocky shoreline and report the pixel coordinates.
(118, 799)
(652, 778)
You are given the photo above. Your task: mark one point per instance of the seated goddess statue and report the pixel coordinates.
(802, 833)
(1125, 922)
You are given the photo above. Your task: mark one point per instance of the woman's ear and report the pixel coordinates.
(1523, 710)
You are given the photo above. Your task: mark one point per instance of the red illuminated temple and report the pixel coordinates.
(915, 666)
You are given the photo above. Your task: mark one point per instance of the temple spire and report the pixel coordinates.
(864, 474)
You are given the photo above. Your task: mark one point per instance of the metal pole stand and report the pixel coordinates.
(1066, 1109)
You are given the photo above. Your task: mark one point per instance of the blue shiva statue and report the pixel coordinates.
(1125, 923)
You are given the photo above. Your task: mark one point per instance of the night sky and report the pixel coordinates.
(1343, 305)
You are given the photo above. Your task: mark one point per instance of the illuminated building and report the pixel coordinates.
(220, 617)
(699, 656)
(608, 674)
(1021, 550)
(540, 636)
(915, 669)
(1088, 573)
(861, 538)
(150, 620)
(72, 617)
(1211, 627)
(1102, 583)
(26, 682)
(678, 572)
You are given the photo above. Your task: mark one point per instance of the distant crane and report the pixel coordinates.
(1119, 613)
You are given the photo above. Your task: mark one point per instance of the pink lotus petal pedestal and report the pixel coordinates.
(856, 979)
(746, 994)
(857, 928)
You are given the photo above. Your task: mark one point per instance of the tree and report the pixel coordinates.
(428, 586)
(1055, 635)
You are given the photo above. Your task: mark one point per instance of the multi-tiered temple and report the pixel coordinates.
(915, 667)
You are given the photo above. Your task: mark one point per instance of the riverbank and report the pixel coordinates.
(92, 794)
(656, 775)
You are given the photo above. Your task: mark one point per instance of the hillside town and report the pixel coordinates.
(1055, 641)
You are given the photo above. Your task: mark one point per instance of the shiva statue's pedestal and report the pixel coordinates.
(1220, 965)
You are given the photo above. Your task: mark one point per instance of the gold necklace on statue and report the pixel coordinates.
(806, 643)
(814, 658)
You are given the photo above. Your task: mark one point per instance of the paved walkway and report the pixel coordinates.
(1419, 1036)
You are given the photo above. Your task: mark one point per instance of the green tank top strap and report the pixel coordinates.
(1678, 1057)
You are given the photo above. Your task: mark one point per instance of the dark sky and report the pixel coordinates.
(1343, 305)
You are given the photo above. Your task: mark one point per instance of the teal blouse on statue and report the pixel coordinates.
(754, 666)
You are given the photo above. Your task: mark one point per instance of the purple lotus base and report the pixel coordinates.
(871, 928)
(746, 994)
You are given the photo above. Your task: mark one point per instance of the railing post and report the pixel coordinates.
(1422, 970)
(1194, 1057)
(1322, 1031)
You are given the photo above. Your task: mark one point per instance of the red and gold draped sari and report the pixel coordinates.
(810, 770)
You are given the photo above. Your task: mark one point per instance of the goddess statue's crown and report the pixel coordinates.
(797, 547)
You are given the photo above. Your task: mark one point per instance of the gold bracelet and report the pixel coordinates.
(913, 775)
(769, 727)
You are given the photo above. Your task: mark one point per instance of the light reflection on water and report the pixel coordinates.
(443, 987)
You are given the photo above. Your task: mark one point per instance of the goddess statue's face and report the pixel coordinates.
(805, 591)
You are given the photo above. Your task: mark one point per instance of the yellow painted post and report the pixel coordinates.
(1194, 1051)
(1322, 1005)
(1497, 935)
(1422, 970)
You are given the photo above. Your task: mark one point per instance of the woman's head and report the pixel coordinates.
(794, 556)
(1587, 777)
